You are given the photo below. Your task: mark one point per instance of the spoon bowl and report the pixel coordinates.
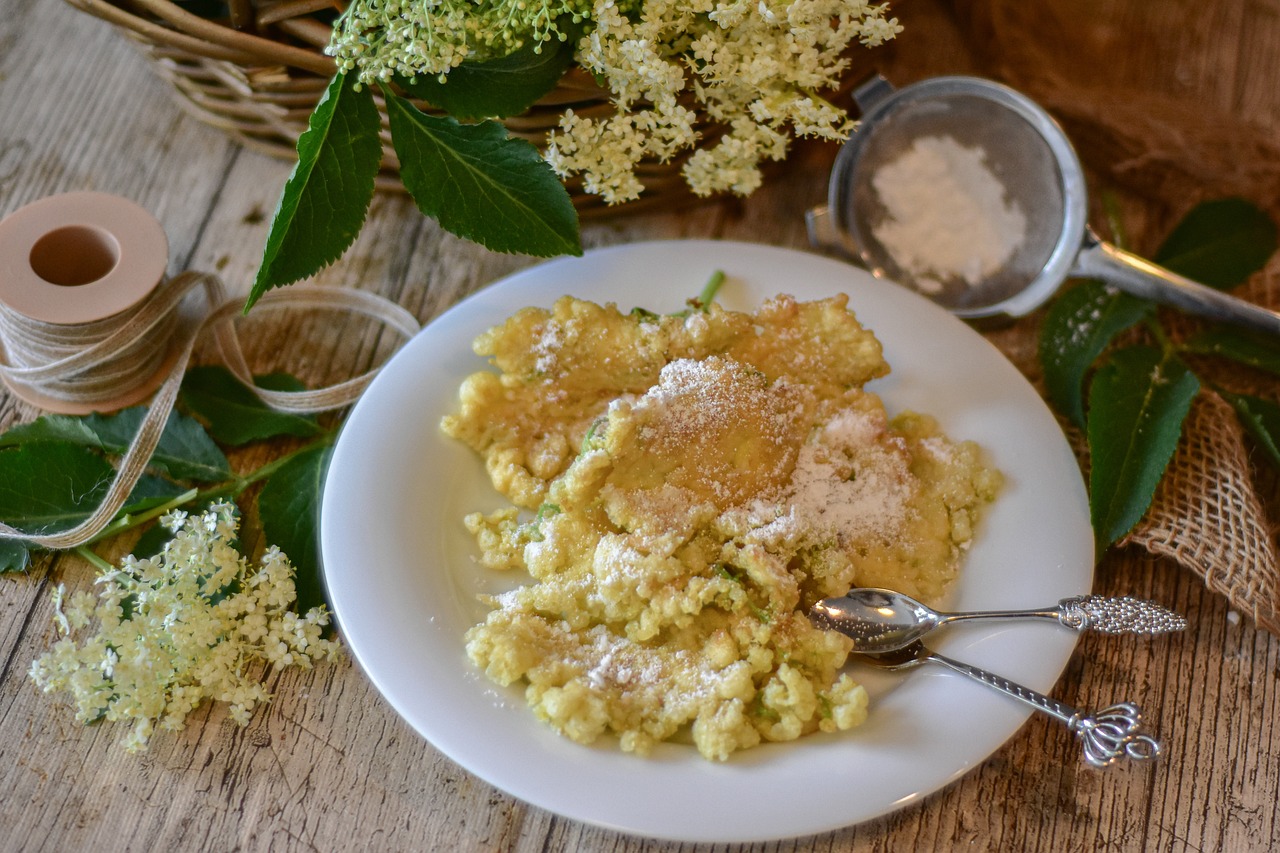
(877, 620)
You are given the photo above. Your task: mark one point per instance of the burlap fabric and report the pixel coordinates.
(1213, 512)
(1207, 514)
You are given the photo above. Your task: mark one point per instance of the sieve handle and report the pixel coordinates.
(1140, 277)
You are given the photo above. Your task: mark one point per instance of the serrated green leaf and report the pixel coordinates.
(15, 556)
(499, 87)
(1078, 327)
(1252, 348)
(289, 507)
(74, 430)
(187, 452)
(1261, 418)
(234, 413)
(327, 196)
(482, 184)
(184, 451)
(1220, 243)
(48, 486)
(151, 542)
(1137, 403)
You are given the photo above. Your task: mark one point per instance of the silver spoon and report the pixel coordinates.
(881, 620)
(1041, 175)
(1106, 737)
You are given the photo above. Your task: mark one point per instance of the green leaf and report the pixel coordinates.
(185, 450)
(289, 507)
(1252, 348)
(47, 486)
(1137, 403)
(74, 430)
(152, 541)
(481, 184)
(234, 413)
(499, 87)
(1220, 243)
(15, 556)
(1262, 420)
(1078, 327)
(327, 196)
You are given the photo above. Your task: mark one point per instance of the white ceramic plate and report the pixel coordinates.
(401, 571)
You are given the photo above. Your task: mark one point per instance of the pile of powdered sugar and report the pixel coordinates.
(868, 501)
(947, 215)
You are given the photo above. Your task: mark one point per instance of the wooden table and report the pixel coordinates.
(328, 765)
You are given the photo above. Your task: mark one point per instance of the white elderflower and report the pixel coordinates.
(753, 69)
(193, 623)
(172, 520)
(381, 38)
(753, 66)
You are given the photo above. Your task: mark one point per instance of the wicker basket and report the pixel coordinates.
(259, 74)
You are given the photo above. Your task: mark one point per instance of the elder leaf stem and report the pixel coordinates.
(231, 489)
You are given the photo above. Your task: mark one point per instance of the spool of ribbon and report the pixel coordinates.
(74, 270)
(88, 323)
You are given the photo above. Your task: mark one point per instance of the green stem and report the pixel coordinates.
(128, 521)
(701, 302)
(710, 289)
(235, 488)
(1111, 205)
(229, 489)
(1167, 346)
(87, 554)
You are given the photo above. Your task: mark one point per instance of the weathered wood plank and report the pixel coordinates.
(328, 765)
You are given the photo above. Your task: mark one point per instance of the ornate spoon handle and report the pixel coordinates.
(1118, 615)
(1106, 737)
(1093, 613)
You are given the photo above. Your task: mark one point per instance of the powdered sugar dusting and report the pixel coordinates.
(705, 415)
(871, 502)
(547, 348)
(708, 398)
(852, 482)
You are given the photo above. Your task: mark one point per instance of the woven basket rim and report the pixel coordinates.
(204, 37)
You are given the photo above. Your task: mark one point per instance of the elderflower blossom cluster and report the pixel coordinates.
(382, 38)
(753, 67)
(741, 76)
(190, 624)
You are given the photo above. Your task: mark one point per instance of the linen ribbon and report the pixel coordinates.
(93, 361)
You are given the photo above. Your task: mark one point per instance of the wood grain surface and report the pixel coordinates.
(328, 765)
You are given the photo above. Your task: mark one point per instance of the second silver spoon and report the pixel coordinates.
(881, 620)
(1108, 736)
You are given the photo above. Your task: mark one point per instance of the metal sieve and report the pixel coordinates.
(1033, 160)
